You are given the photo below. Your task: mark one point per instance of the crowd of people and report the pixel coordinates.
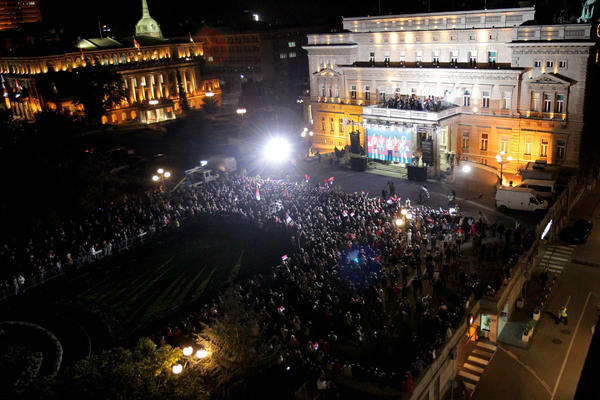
(404, 102)
(356, 279)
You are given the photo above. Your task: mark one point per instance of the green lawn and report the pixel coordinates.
(170, 272)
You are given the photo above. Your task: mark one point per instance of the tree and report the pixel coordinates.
(185, 107)
(238, 349)
(210, 105)
(141, 373)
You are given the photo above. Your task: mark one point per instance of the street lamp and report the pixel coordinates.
(209, 94)
(501, 160)
(201, 354)
(241, 111)
(187, 351)
(177, 368)
(162, 175)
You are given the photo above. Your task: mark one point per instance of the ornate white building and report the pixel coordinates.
(472, 84)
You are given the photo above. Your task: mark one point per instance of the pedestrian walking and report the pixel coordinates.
(563, 314)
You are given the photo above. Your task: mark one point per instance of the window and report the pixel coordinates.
(330, 90)
(467, 99)
(291, 44)
(367, 93)
(419, 56)
(372, 57)
(323, 124)
(436, 57)
(473, 57)
(336, 91)
(560, 149)
(353, 92)
(472, 37)
(563, 63)
(547, 102)
(454, 56)
(560, 103)
(292, 54)
(527, 150)
(485, 99)
(493, 36)
(331, 125)
(283, 56)
(386, 60)
(465, 141)
(341, 126)
(506, 101)
(381, 94)
(549, 64)
(544, 148)
(484, 142)
(503, 144)
(402, 57)
(492, 57)
(535, 101)
(537, 64)
(322, 90)
(436, 38)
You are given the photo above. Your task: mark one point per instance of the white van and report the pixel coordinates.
(517, 198)
(545, 189)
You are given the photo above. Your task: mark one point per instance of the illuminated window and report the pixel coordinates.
(465, 141)
(560, 149)
(527, 149)
(544, 148)
(506, 101)
(560, 103)
(484, 142)
(336, 91)
(292, 54)
(492, 57)
(322, 90)
(503, 144)
(353, 92)
(291, 44)
(537, 64)
(547, 102)
(283, 56)
(535, 101)
(485, 99)
(367, 93)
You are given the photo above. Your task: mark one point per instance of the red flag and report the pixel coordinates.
(136, 44)
(81, 51)
(306, 178)
(287, 194)
(330, 179)
(257, 194)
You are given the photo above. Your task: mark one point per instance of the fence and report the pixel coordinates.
(92, 256)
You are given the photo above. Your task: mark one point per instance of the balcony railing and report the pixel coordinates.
(430, 116)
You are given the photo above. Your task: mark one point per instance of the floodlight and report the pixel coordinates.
(277, 150)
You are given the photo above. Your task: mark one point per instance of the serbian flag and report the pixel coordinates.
(287, 194)
(191, 38)
(376, 211)
(81, 52)
(352, 214)
(330, 179)
(4, 91)
(345, 213)
(288, 219)
(257, 194)
(136, 44)
(306, 178)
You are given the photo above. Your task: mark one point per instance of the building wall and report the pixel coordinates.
(525, 91)
(14, 13)
(342, 118)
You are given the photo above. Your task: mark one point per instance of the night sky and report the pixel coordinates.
(179, 16)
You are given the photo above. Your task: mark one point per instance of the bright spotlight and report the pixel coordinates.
(187, 351)
(404, 211)
(167, 174)
(209, 94)
(277, 150)
(311, 133)
(466, 168)
(399, 222)
(155, 178)
(160, 171)
(203, 163)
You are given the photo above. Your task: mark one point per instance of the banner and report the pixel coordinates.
(390, 144)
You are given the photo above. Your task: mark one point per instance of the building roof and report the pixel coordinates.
(147, 26)
(423, 65)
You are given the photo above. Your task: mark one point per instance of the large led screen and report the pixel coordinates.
(390, 144)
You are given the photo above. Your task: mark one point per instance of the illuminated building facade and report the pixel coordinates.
(14, 13)
(153, 72)
(466, 85)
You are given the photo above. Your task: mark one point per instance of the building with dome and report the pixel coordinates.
(147, 26)
(161, 76)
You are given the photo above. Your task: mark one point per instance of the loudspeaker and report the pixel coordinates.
(355, 143)
(358, 163)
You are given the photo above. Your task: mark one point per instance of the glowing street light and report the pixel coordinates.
(404, 211)
(201, 354)
(311, 133)
(209, 94)
(167, 174)
(502, 160)
(409, 216)
(241, 111)
(177, 368)
(160, 171)
(466, 169)
(187, 351)
(155, 178)
(399, 221)
(277, 150)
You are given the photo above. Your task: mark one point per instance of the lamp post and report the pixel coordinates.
(501, 160)
(162, 175)
(189, 358)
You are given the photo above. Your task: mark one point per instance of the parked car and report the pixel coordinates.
(578, 233)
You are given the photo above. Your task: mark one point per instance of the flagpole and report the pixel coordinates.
(99, 27)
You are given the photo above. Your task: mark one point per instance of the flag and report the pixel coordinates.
(330, 179)
(287, 194)
(136, 44)
(288, 219)
(191, 38)
(81, 51)
(17, 85)
(306, 178)
(352, 214)
(284, 257)
(257, 194)
(345, 213)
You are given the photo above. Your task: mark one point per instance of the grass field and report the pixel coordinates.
(169, 273)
